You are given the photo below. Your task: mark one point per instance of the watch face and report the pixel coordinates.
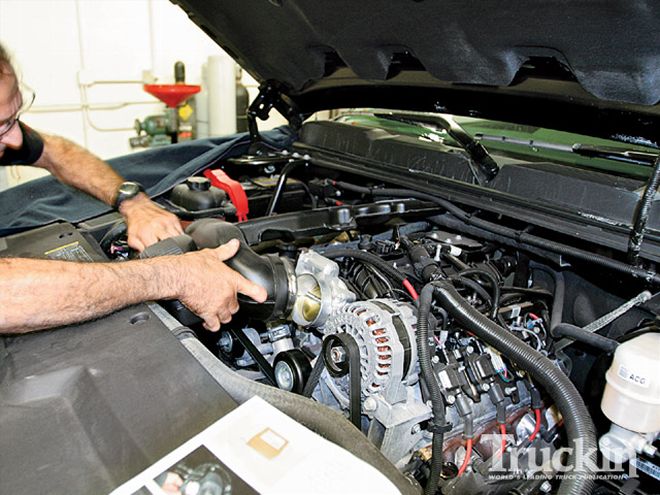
(129, 189)
(126, 191)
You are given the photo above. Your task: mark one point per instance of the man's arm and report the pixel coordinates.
(75, 166)
(37, 294)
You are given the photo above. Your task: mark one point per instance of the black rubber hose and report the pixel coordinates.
(269, 271)
(581, 335)
(512, 296)
(520, 237)
(579, 425)
(328, 423)
(495, 286)
(522, 291)
(448, 221)
(642, 214)
(636, 333)
(370, 258)
(458, 264)
(557, 312)
(428, 376)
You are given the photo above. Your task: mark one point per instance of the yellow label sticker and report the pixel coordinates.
(268, 443)
(71, 245)
(185, 112)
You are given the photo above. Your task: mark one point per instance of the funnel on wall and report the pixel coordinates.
(172, 94)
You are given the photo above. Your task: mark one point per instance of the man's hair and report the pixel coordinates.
(6, 67)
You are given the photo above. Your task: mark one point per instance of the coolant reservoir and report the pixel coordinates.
(632, 394)
(197, 194)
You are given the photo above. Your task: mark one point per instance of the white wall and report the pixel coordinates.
(57, 44)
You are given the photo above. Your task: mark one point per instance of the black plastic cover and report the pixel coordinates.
(87, 407)
(383, 146)
(592, 195)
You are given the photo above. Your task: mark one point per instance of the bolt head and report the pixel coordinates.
(225, 343)
(338, 355)
(370, 404)
(284, 376)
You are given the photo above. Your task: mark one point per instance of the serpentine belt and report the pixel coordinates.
(350, 366)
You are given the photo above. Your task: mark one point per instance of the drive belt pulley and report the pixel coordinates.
(341, 356)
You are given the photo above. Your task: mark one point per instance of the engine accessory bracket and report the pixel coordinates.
(262, 363)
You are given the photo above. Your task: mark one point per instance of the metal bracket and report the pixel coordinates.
(263, 365)
(270, 96)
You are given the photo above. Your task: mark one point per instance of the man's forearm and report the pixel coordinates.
(37, 294)
(146, 222)
(77, 167)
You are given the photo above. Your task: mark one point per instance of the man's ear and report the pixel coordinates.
(9, 80)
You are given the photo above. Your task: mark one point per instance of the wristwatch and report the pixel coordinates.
(127, 190)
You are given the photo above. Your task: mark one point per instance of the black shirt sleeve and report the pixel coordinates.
(30, 152)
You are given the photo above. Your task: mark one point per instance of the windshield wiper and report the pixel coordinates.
(611, 153)
(486, 168)
(607, 152)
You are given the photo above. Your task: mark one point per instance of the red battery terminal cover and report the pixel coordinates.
(233, 188)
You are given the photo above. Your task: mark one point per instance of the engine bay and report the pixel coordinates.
(368, 297)
(476, 353)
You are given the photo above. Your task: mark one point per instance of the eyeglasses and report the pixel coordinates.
(26, 98)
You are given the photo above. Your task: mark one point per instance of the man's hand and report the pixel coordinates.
(147, 222)
(209, 288)
(73, 165)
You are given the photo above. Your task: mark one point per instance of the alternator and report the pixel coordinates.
(384, 330)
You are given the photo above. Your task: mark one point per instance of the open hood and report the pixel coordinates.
(611, 48)
(585, 66)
